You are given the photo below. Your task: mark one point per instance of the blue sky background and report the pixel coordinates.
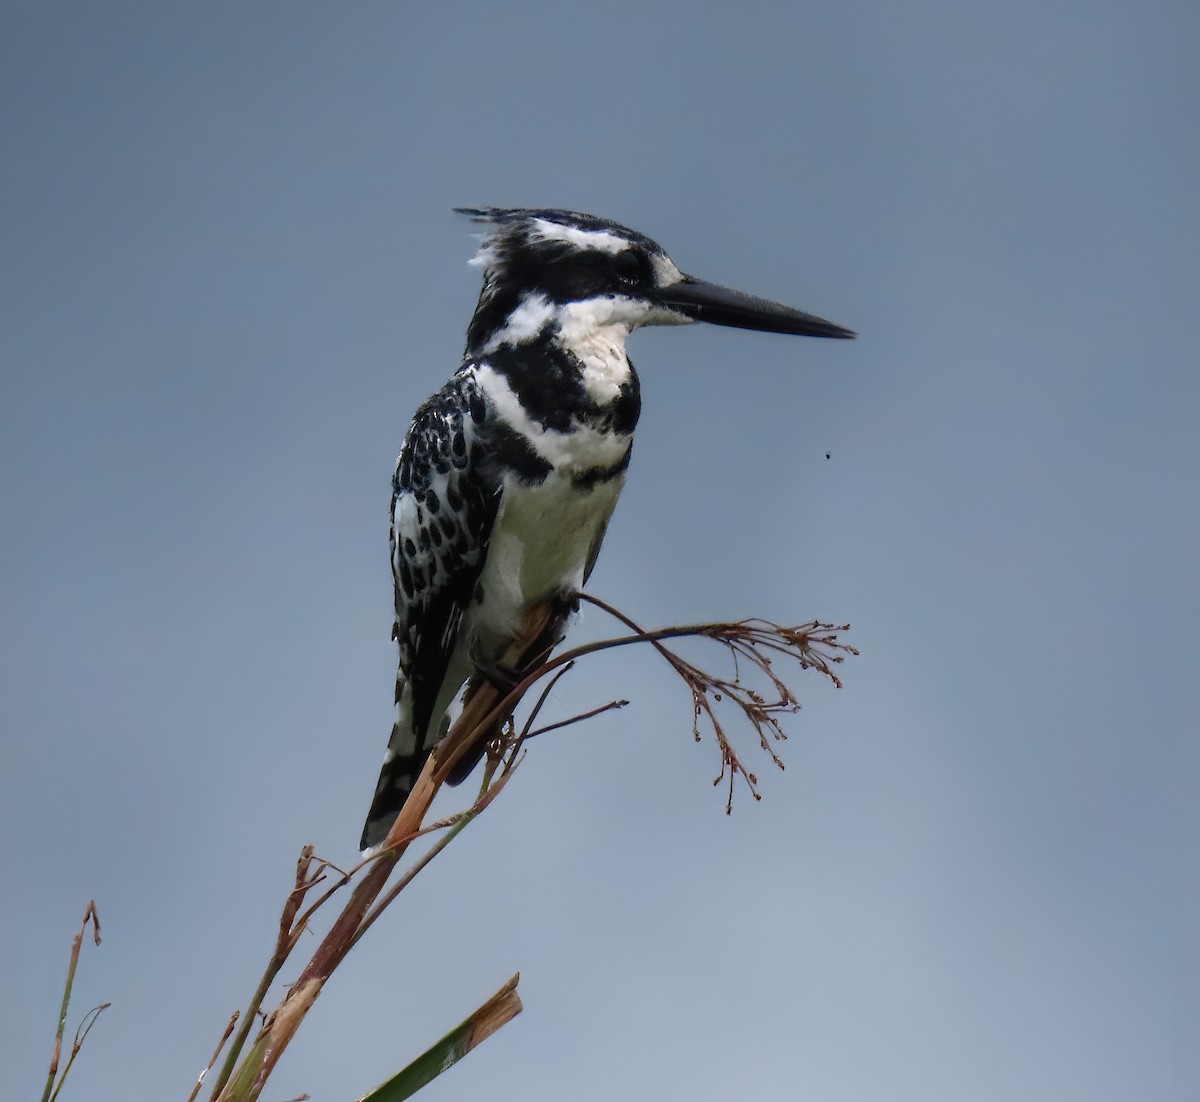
(228, 276)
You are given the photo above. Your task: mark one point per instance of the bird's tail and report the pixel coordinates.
(409, 747)
(407, 752)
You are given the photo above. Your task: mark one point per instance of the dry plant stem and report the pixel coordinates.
(507, 703)
(89, 915)
(485, 711)
(216, 1052)
(611, 706)
(85, 1027)
(540, 703)
(813, 645)
(231, 1057)
(408, 877)
(282, 1025)
(454, 829)
(617, 614)
(289, 933)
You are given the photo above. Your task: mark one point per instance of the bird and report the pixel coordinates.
(509, 474)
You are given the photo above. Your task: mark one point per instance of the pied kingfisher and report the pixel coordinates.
(509, 473)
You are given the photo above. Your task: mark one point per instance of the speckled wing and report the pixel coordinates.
(445, 494)
(444, 502)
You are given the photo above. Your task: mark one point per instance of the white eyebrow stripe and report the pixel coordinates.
(600, 240)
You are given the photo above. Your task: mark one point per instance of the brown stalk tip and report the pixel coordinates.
(91, 912)
(500, 1009)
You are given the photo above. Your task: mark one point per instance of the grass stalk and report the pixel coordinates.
(51, 1091)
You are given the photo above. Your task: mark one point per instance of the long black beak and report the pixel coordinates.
(724, 306)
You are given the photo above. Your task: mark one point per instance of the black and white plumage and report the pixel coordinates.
(509, 474)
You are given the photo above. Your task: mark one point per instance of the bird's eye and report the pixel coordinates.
(628, 267)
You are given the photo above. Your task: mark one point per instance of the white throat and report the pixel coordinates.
(594, 332)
